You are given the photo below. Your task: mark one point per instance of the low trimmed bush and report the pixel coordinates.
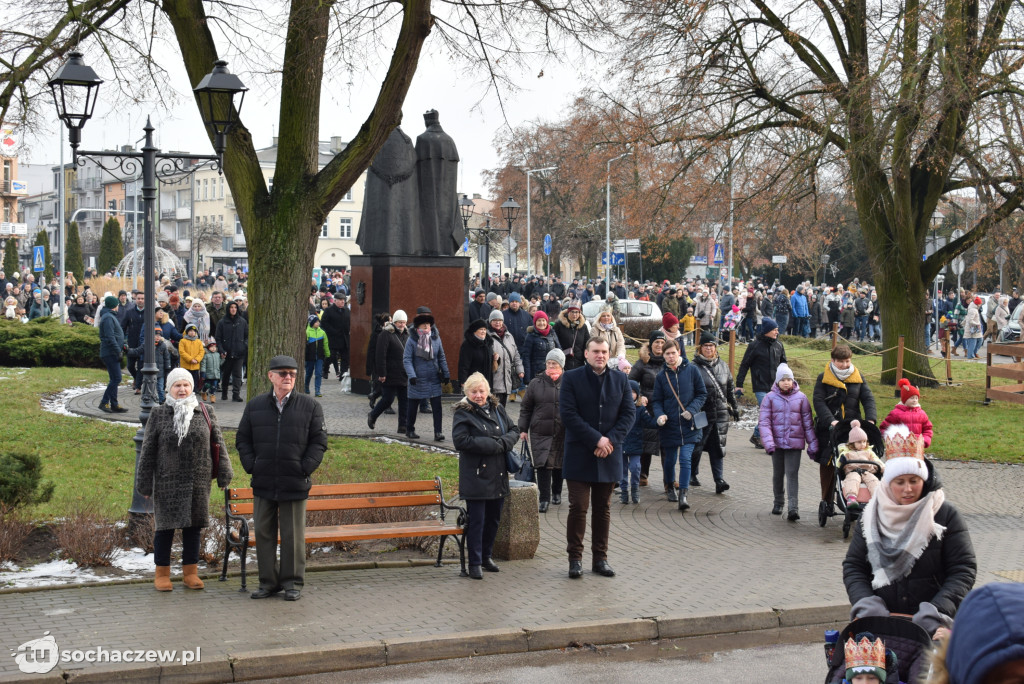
(46, 342)
(88, 538)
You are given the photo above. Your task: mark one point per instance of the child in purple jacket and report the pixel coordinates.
(786, 427)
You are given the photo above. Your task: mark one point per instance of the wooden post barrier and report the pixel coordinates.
(949, 359)
(732, 352)
(899, 365)
(1013, 371)
(835, 335)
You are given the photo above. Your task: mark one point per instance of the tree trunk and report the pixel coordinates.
(279, 287)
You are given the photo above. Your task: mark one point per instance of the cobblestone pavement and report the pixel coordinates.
(728, 553)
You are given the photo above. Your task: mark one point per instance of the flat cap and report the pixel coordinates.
(283, 362)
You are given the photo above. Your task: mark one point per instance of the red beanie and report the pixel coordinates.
(977, 301)
(907, 390)
(669, 320)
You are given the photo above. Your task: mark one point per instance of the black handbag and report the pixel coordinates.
(513, 460)
(527, 473)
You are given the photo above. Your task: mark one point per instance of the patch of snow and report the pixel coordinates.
(748, 419)
(415, 445)
(12, 373)
(57, 403)
(135, 563)
(133, 560)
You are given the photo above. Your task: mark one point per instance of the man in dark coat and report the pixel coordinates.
(232, 337)
(478, 309)
(281, 440)
(337, 323)
(132, 325)
(762, 359)
(596, 407)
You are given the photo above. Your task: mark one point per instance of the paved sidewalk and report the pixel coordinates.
(727, 554)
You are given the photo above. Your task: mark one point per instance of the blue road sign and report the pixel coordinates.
(618, 259)
(38, 259)
(547, 243)
(465, 246)
(719, 254)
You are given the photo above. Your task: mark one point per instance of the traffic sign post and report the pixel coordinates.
(547, 253)
(39, 259)
(719, 257)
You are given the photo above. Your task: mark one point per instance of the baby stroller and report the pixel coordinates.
(908, 641)
(837, 437)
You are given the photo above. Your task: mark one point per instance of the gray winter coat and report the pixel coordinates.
(509, 363)
(178, 477)
(539, 418)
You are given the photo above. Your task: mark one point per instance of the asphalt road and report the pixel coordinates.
(650, 663)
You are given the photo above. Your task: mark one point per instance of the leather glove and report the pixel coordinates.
(445, 380)
(687, 415)
(738, 392)
(734, 413)
(412, 381)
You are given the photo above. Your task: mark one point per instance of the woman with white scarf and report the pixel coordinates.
(198, 316)
(911, 552)
(175, 468)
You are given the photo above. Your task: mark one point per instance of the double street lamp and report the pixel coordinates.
(75, 87)
(509, 212)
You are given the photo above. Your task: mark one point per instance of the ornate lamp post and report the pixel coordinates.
(75, 87)
(509, 211)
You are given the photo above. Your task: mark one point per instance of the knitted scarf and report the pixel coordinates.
(183, 412)
(897, 535)
(841, 375)
(423, 344)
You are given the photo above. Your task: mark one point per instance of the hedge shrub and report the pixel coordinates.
(21, 481)
(639, 329)
(46, 342)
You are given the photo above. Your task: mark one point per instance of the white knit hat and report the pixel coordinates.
(904, 465)
(399, 316)
(783, 372)
(176, 375)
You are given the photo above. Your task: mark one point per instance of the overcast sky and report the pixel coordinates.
(471, 122)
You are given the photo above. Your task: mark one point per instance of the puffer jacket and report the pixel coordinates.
(761, 359)
(535, 350)
(645, 371)
(687, 382)
(942, 576)
(482, 444)
(798, 303)
(191, 353)
(973, 328)
(209, 367)
(785, 421)
(913, 417)
(390, 352)
(635, 440)
(509, 363)
(572, 339)
(476, 356)
(233, 336)
(518, 323)
(111, 334)
(540, 419)
(281, 449)
(317, 347)
(838, 400)
(428, 372)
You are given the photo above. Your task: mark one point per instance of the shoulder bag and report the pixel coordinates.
(514, 461)
(700, 418)
(214, 445)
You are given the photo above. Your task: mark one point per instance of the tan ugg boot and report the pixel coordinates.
(191, 577)
(213, 397)
(202, 395)
(162, 579)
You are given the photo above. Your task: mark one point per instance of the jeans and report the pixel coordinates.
(786, 463)
(874, 330)
(189, 546)
(669, 457)
(712, 445)
(411, 412)
(928, 334)
(803, 326)
(113, 364)
(860, 325)
(757, 428)
(483, 516)
(748, 327)
(581, 495)
(630, 466)
(971, 346)
(783, 323)
(314, 369)
(387, 397)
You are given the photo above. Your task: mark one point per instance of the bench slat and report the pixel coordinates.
(353, 488)
(354, 503)
(340, 533)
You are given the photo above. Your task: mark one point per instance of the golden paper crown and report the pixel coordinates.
(865, 654)
(897, 446)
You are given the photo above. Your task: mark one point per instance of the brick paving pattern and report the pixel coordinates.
(727, 553)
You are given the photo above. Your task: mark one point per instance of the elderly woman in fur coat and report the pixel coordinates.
(175, 469)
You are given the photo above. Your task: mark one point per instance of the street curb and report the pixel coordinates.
(715, 631)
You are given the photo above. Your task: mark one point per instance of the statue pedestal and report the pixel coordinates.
(385, 283)
(519, 529)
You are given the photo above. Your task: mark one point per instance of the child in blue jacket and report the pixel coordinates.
(633, 447)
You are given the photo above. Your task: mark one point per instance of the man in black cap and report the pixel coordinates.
(478, 308)
(281, 440)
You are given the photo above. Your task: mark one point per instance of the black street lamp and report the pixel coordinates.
(75, 87)
(509, 211)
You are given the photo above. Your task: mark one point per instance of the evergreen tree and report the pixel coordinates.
(111, 247)
(43, 240)
(73, 252)
(11, 257)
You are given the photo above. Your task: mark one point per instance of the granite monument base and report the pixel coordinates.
(519, 530)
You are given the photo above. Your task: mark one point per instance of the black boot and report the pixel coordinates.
(721, 486)
(684, 505)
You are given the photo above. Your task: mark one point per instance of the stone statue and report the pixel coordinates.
(437, 166)
(390, 220)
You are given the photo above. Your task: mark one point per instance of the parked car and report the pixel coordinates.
(628, 310)
(1011, 331)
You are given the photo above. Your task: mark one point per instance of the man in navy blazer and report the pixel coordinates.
(596, 407)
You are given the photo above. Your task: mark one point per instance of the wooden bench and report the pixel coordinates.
(238, 508)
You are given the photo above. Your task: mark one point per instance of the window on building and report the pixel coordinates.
(348, 195)
(197, 190)
(182, 232)
(220, 220)
(346, 228)
(206, 189)
(238, 226)
(323, 230)
(222, 187)
(270, 183)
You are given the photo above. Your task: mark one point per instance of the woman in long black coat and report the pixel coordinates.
(644, 371)
(476, 354)
(483, 434)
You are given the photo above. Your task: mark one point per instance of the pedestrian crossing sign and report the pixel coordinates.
(719, 254)
(38, 258)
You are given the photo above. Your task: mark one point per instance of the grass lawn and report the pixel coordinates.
(92, 462)
(965, 429)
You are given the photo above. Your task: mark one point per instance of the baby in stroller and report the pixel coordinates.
(879, 650)
(860, 465)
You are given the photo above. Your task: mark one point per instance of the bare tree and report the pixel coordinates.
(907, 103)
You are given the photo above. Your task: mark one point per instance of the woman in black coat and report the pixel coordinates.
(381, 320)
(540, 339)
(476, 354)
(483, 434)
(911, 552)
(644, 371)
(720, 407)
(573, 334)
(390, 370)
